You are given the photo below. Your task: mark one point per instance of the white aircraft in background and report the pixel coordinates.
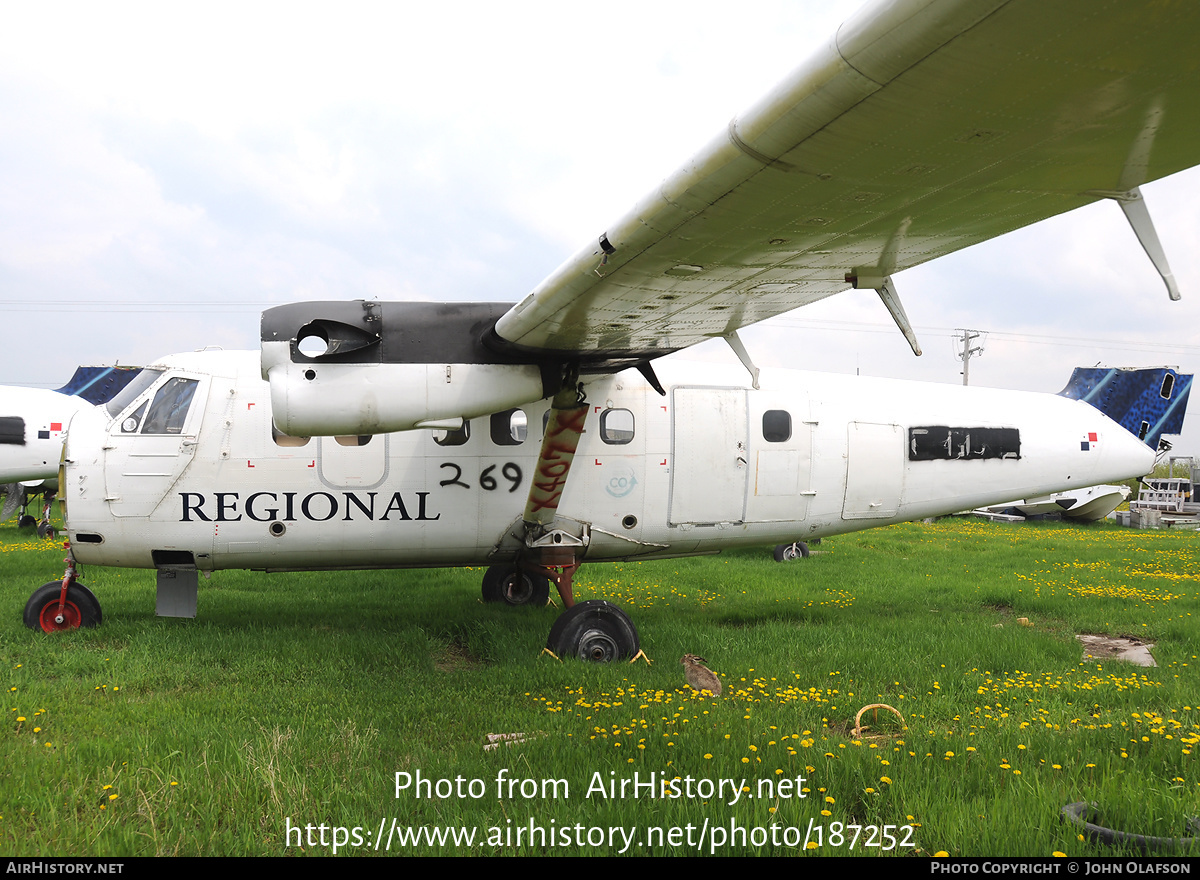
(32, 429)
(532, 437)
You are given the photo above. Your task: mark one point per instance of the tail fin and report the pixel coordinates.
(98, 384)
(1148, 403)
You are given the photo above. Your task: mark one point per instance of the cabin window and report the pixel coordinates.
(12, 430)
(777, 425)
(287, 440)
(616, 426)
(353, 440)
(454, 437)
(510, 428)
(169, 410)
(133, 421)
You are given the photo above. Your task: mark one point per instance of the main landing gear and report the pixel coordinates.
(513, 586)
(595, 631)
(62, 605)
(788, 552)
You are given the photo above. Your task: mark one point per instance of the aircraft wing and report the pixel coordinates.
(925, 126)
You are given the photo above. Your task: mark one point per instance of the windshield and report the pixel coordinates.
(126, 395)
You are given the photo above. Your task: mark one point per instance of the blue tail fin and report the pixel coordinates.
(1148, 403)
(98, 384)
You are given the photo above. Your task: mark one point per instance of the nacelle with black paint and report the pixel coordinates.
(371, 368)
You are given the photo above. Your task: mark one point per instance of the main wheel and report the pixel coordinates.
(512, 586)
(24, 521)
(81, 608)
(788, 552)
(595, 631)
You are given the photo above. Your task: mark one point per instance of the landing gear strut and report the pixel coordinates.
(62, 605)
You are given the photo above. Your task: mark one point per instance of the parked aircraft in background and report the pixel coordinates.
(32, 426)
(537, 435)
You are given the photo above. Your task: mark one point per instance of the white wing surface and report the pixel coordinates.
(924, 127)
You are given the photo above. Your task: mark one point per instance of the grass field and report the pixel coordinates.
(277, 722)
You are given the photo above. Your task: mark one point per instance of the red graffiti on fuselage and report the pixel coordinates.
(554, 462)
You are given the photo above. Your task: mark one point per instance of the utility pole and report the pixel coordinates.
(968, 351)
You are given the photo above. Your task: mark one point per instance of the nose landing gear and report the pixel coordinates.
(62, 605)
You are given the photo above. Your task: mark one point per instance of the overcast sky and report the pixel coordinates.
(167, 171)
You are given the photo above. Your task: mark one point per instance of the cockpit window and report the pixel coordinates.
(170, 407)
(129, 424)
(129, 393)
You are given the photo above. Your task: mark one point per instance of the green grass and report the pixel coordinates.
(296, 699)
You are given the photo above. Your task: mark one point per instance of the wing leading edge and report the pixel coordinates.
(925, 126)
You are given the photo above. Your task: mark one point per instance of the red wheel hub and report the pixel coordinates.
(70, 616)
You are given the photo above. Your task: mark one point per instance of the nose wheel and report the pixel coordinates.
(53, 609)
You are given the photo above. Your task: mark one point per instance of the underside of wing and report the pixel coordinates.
(925, 126)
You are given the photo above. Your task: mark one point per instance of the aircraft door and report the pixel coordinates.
(152, 443)
(709, 461)
(874, 471)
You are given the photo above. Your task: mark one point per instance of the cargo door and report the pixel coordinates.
(708, 455)
(874, 471)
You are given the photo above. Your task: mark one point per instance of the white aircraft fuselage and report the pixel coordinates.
(189, 470)
(32, 423)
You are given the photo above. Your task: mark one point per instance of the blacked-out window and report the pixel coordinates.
(777, 425)
(509, 428)
(353, 439)
(12, 430)
(169, 410)
(616, 426)
(455, 436)
(947, 443)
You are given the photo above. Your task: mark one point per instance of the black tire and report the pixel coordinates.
(45, 530)
(81, 608)
(594, 631)
(25, 521)
(512, 586)
(788, 552)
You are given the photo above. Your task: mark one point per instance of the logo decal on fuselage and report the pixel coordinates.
(294, 506)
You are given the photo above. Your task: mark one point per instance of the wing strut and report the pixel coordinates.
(886, 288)
(1138, 215)
(735, 343)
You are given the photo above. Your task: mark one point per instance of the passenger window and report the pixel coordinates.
(354, 440)
(287, 440)
(131, 423)
(509, 428)
(616, 426)
(777, 425)
(169, 410)
(457, 437)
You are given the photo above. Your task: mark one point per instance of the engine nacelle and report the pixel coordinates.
(371, 368)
